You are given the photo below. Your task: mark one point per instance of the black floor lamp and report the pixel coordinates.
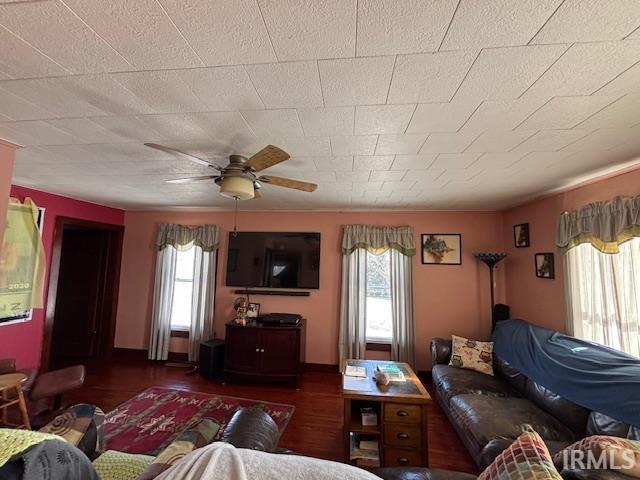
(491, 260)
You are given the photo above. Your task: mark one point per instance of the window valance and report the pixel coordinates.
(605, 225)
(182, 237)
(378, 240)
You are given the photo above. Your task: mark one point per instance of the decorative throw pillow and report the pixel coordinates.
(472, 354)
(601, 451)
(526, 459)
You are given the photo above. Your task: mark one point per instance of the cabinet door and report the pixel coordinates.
(280, 351)
(242, 350)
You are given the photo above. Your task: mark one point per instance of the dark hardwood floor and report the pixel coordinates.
(315, 429)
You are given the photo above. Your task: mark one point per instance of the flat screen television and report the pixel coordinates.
(273, 260)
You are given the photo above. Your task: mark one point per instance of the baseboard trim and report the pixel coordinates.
(139, 354)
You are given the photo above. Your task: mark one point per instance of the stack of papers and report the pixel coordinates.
(353, 371)
(394, 373)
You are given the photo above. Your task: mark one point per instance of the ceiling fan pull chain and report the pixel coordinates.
(235, 217)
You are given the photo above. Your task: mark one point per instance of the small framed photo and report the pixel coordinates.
(253, 310)
(521, 235)
(441, 249)
(545, 267)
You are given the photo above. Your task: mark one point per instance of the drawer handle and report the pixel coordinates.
(402, 436)
(257, 349)
(402, 413)
(403, 460)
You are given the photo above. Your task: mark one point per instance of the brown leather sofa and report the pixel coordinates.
(488, 412)
(43, 392)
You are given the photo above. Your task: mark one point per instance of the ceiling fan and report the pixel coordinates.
(238, 180)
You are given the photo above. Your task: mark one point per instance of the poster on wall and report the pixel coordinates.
(21, 262)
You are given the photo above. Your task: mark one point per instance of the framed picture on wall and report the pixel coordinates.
(442, 249)
(545, 267)
(521, 235)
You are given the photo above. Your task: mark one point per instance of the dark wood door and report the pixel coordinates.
(242, 353)
(280, 351)
(77, 323)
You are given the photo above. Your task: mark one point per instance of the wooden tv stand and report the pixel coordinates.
(258, 352)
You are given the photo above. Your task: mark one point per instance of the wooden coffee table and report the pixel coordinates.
(401, 408)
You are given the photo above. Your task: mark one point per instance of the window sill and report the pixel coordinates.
(180, 333)
(378, 346)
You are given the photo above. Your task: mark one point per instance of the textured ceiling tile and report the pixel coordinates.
(16, 108)
(590, 20)
(222, 88)
(222, 33)
(305, 30)
(16, 136)
(157, 42)
(386, 176)
(551, 140)
(605, 139)
(20, 60)
(356, 81)
(429, 77)
(497, 23)
(337, 164)
(497, 160)
(56, 32)
(400, 144)
(440, 117)
(565, 112)
(446, 161)
(327, 121)
(41, 133)
(51, 94)
(499, 141)
(373, 119)
(134, 128)
(505, 73)
(306, 146)
(413, 162)
(287, 85)
(410, 26)
(501, 114)
(377, 162)
(282, 123)
(586, 67)
(622, 113)
(353, 145)
(423, 176)
(360, 178)
(626, 82)
(86, 130)
(448, 142)
(163, 91)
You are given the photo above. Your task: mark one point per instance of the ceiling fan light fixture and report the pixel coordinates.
(237, 187)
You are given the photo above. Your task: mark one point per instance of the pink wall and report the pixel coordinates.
(449, 299)
(23, 341)
(538, 300)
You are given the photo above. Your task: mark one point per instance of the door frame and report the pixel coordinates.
(116, 236)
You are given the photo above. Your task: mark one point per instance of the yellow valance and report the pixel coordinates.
(378, 240)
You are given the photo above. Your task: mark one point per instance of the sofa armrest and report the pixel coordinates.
(252, 428)
(440, 351)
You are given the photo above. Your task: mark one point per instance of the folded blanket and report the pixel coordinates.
(13, 442)
(222, 461)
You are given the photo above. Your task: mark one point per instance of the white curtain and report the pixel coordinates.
(403, 323)
(353, 305)
(604, 291)
(202, 300)
(162, 303)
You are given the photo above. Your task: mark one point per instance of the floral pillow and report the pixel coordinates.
(472, 354)
(526, 459)
(601, 451)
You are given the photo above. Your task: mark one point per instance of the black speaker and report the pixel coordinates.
(500, 313)
(211, 363)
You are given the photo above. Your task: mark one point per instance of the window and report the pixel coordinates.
(183, 290)
(605, 295)
(378, 298)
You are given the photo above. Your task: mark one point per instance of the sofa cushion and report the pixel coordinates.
(484, 418)
(601, 424)
(571, 414)
(452, 381)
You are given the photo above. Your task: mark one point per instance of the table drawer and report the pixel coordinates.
(403, 434)
(402, 457)
(398, 412)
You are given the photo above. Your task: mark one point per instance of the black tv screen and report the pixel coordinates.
(273, 260)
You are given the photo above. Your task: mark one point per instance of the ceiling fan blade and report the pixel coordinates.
(289, 183)
(183, 155)
(267, 157)
(193, 179)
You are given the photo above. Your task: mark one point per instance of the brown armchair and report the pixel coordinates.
(43, 392)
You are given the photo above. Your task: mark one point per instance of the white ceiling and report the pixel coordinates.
(418, 104)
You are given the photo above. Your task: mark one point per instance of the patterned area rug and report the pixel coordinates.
(151, 420)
